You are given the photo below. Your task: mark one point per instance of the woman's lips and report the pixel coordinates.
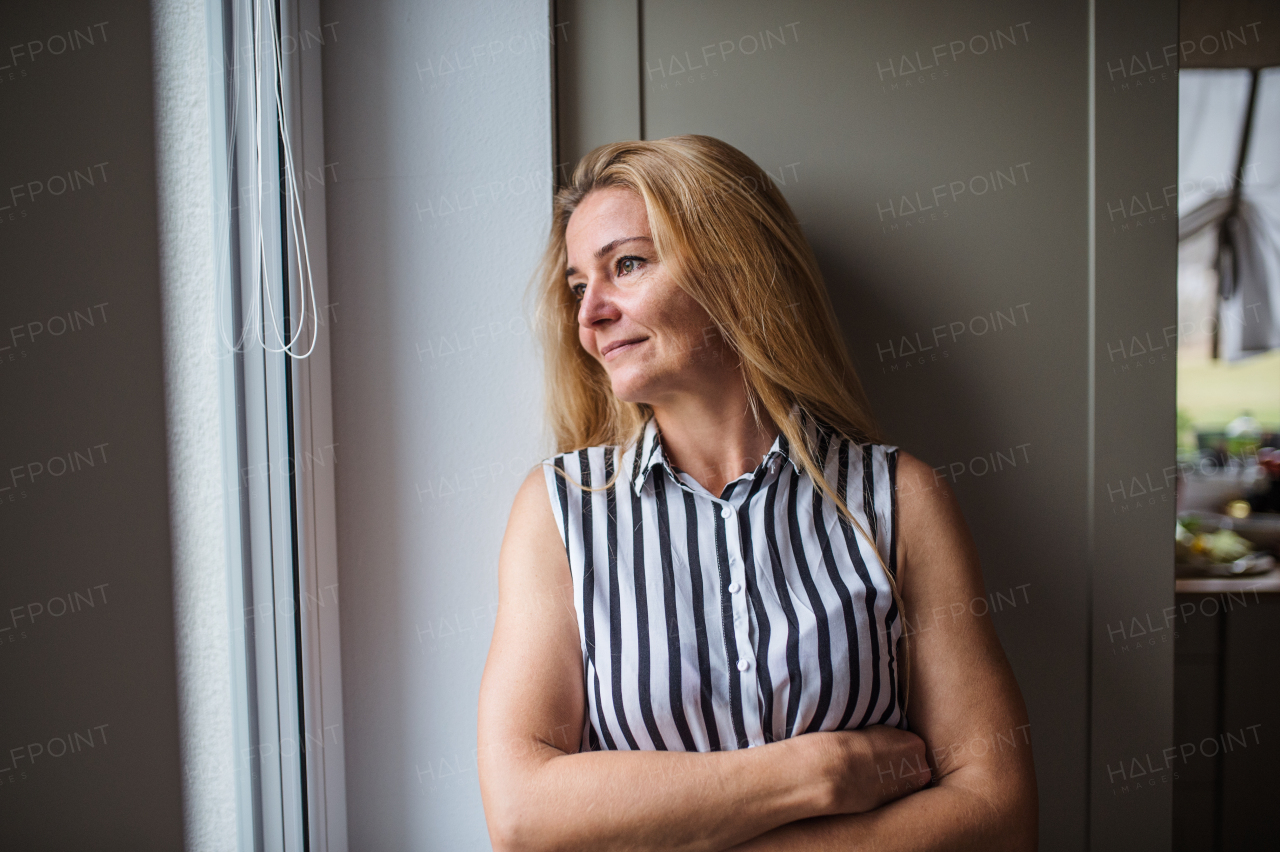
(617, 349)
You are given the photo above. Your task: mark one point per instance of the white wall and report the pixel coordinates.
(202, 633)
(438, 126)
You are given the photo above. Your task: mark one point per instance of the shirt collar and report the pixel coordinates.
(648, 454)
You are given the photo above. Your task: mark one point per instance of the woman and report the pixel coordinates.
(719, 601)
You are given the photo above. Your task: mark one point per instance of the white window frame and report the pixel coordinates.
(279, 455)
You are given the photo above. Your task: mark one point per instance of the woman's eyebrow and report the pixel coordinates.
(605, 249)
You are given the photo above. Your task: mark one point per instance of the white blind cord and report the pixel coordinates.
(255, 319)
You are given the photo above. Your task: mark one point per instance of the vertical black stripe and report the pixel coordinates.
(846, 600)
(674, 640)
(730, 637)
(642, 620)
(869, 490)
(654, 443)
(873, 625)
(893, 666)
(825, 684)
(757, 602)
(788, 608)
(615, 600)
(705, 684)
(588, 591)
(635, 463)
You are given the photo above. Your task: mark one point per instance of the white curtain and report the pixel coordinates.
(1212, 107)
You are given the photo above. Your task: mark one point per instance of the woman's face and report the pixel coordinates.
(653, 340)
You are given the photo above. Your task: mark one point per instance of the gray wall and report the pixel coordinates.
(101, 675)
(437, 116)
(1135, 379)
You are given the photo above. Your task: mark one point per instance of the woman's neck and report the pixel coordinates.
(714, 439)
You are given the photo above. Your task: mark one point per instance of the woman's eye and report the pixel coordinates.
(627, 265)
(577, 290)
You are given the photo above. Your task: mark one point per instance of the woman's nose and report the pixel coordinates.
(597, 305)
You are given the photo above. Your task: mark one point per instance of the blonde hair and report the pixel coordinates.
(729, 239)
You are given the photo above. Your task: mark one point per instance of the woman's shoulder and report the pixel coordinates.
(566, 456)
(882, 464)
(870, 451)
(596, 455)
(567, 471)
(576, 459)
(873, 447)
(532, 510)
(821, 433)
(919, 488)
(902, 468)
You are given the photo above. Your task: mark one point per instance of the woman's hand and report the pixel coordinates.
(869, 767)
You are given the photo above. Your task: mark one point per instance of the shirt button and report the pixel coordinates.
(743, 665)
(733, 588)
(726, 512)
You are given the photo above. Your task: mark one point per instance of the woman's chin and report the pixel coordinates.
(626, 396)
(629, 388)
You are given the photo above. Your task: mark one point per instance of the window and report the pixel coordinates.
(271, 317)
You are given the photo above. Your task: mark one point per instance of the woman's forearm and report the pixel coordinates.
(659, 800)
(965, 812)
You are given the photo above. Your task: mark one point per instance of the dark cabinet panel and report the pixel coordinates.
(1226, 715)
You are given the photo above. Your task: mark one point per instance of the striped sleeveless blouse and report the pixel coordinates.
(716, 622)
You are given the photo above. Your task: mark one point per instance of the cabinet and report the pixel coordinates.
(1226, 715)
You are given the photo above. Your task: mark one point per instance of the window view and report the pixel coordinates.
(1228, 432)
(1228, 360)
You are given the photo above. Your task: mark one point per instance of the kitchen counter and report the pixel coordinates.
(1268, 582)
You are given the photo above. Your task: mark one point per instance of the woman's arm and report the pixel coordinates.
(964, 702)
(540, 793)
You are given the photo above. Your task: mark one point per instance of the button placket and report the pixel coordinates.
(737, 602)
(741, 618)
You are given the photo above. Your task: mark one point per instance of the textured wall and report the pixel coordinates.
(437, 121)
(184, 175)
